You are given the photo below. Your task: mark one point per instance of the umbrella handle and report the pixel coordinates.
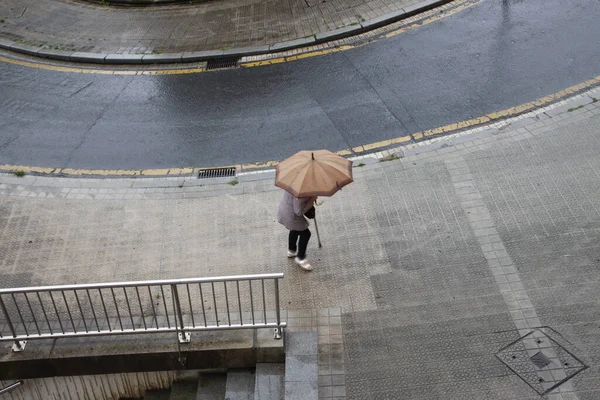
(317, 229)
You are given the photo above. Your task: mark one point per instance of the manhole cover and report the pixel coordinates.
(219, 63)
(540, 361)
(216, 172)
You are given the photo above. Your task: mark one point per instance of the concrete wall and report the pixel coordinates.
(123, 354)
(90, 387)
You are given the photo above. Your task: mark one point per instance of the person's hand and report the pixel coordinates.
(313, 200)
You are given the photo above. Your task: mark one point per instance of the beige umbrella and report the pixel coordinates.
(313, 173)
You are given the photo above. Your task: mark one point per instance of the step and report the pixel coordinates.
(211, 387)
(240, 385)
(301, 366)
(184, 390)
(157, 394)
(269, 382)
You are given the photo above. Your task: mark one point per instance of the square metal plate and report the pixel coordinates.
(540, 360)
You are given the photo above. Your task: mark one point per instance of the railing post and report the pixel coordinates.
(11, 387)
(19, 345)
(184, 337)
(278, 330)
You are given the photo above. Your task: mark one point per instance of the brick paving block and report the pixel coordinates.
(301, 368)
(301, 343)
(240, 385)
(269, 383)
(301, 391)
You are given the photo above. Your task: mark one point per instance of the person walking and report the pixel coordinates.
(290, 214)
(304, 176)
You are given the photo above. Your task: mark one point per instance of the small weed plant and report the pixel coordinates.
(391, 157)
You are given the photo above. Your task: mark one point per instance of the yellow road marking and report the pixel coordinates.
(263, 62)
(172, 71)
(180, 171)
(370, 147)
(299, 56)
(28, 169)
(77, 70)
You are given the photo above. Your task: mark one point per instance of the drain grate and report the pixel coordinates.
(540, 360)
(216, 172)
(219, 63)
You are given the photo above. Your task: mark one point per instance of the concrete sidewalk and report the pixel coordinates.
(60, 28)
(430, 264)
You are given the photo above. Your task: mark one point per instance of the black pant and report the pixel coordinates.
(302, 243)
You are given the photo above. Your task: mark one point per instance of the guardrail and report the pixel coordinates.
(10, 387)
(159, 306)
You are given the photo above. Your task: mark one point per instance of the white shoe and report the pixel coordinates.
(291, 254)
(304, 264)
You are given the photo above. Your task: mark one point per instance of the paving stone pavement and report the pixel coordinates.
(430, 264)
(78, 26)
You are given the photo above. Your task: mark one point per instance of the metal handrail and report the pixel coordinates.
(11, 387)
(115, 308)
(140, 283)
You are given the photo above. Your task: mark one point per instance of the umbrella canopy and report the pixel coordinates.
(313, 173)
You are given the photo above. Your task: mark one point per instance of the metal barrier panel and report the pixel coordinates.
(180, 305)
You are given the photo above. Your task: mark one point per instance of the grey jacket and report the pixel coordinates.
(291, 212)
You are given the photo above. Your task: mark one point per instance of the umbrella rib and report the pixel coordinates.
(305, 170)
(338, 174)
(321, 176)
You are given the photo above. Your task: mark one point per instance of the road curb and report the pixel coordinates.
(198, 56)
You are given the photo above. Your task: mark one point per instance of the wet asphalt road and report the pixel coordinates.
(492, 56)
